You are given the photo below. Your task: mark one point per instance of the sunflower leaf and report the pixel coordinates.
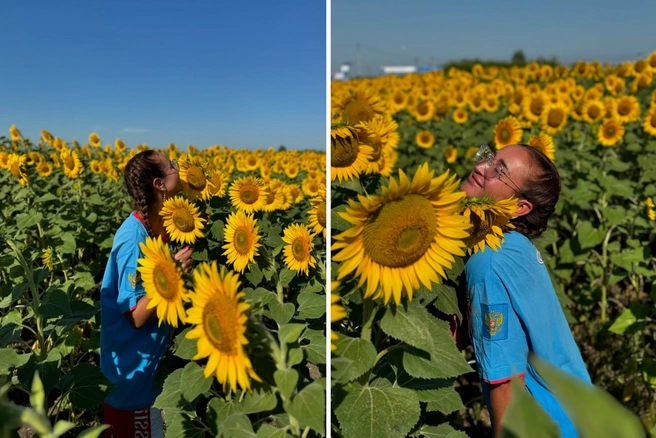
(259, 401)
(280, 312)
(315, 348)
(311, 305)
(185, 348)
(268, 431)
(285, 276)
(525, 416)
(361, 351)
(194, 380)
(444, 430)
(289, 333)
(375, 412)
(444, 400)
(309, 407)
(286, 381)
(254, 274)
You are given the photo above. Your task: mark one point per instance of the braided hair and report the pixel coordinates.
(139, 174)
(542, 191)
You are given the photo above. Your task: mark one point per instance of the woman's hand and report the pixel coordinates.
(184, 257)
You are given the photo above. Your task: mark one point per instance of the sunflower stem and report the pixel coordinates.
(367, 319)
(305, 432)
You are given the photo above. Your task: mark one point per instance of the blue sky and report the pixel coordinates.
(437, 31)
(240, 74)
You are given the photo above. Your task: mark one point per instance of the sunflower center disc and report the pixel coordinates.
(401, 231)
(196, 178)
(215, 185)
(242, 241)
(183, 220)
(610, 132)
(248, 195)
(271, 197)
(593, 112)
(505, 134)
(164, 282)
(555, 118)
(378, 149)
(220, 323)
(357, 111)
(536, 107)
(343, 151)
(623, 110)
(299, 250)
(321, 214)
(70, 162)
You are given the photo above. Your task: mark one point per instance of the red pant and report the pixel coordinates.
(142, 423)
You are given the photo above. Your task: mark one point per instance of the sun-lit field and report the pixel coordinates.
(248, 354)
(398, 219)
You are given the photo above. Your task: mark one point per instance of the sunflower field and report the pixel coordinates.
(400, 228)
(247, 355)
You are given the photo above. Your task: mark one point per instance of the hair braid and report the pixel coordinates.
(139, 174)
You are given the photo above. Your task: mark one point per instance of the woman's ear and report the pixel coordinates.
(524, 207)
(158, 183)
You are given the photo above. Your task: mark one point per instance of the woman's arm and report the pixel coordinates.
(499, 401)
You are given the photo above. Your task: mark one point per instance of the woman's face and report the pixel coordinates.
(171, 177)
(514, 163)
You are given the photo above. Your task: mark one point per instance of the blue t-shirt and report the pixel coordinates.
(128, 356)
(513, 309)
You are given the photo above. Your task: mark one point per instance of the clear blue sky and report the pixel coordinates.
(437, 31)
(241, 74)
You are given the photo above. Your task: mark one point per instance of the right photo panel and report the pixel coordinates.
(492, 224)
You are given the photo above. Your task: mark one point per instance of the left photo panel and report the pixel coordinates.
(163, 234)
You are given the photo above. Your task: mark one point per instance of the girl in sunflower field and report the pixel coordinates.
(132, 343)
(512, 305)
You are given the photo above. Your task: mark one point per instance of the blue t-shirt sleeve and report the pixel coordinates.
(130, 286)
(499, 339)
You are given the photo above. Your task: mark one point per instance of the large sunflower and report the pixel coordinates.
(360, 106)
(94, 139)
(405, 236)
(193, 174)
(507, 132)
(219, 316)
(554, 117)
(627, 109)
(533, 105)
(162, 281)
(348, 157)
(317, 214)
(182, 221)
(248, 193)
(382, 135)
(298, 251)
(489, 219)
(44, 169)
(543, 142)
(611, 132)
(72, 163)
(16, 164)
(649, 124)
(242, 240)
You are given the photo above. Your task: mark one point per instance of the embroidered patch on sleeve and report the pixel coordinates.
(133, 279)
(495, 326)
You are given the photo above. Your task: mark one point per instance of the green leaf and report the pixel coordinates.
(86, 385)
(218, 410)
(285, 276)
(27, 220)
(648, 368)
(409, 325)
(444, 430)
(315, 347)
(309, 407)
(254, 274)
(195, 381)
(274, 241)
(444, 400)
(217, 230)
(267, 431)
(361, 351)
(37, 395)
(281, 313)
(9, 360)
(286, 381)
(181, 426)
(55, 304)
(45, 198)
(94, 432)
(259, 401)
(171, 398)
(589, 237)
(374, 412)
(237, 426)
(61, 427)
(525, 417)
(447, 301)
(294, 357)
(289, 333)
(593, 411)
(68, 245)
(200, 256)
(628, 318)
(456, 269)
(259, 295)
(185, 348)
(311, 306)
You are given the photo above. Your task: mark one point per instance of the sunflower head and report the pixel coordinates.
(298, 248)
(507, 132)
(219, 316)
(182, 220)
(489, 219)
(249, 194)
(162, 281)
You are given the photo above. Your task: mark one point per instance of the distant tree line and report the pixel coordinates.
(518, 59)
